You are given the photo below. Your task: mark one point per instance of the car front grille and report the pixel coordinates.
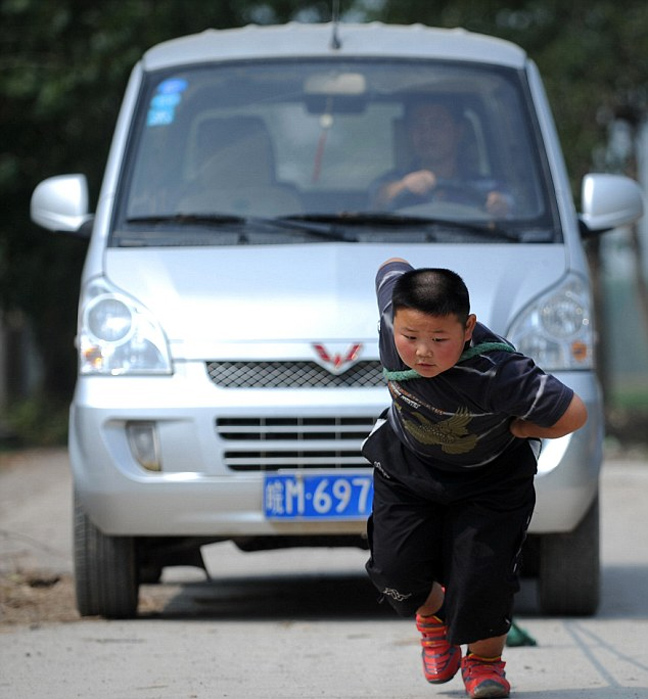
(293, 375)
(272, 443)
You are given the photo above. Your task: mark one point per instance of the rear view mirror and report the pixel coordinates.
(335, 84)
(334, 92)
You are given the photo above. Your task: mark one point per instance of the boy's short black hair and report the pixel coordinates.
(437, 292)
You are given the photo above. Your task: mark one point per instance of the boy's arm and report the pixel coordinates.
(572, 419)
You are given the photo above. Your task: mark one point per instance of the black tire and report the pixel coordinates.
(570, 569)
(106, 576)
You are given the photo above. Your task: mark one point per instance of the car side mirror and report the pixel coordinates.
(609, 201)
(61, 204)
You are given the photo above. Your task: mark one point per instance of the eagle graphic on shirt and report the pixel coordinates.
(451, 434)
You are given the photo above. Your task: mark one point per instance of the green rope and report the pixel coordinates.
(471, 352)
(485, 347)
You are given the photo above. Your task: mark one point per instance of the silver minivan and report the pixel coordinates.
(228, 358)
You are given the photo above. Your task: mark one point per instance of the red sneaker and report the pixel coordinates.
(440, 660)
(484, 679)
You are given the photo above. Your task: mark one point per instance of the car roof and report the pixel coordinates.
(295, 39)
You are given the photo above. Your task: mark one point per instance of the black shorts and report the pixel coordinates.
(463, 529)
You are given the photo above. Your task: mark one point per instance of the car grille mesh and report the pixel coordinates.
(293, 375)
(272, 443)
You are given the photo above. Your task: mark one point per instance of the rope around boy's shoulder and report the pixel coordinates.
(471, 352)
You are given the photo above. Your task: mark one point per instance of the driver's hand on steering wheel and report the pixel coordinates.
(421, 182)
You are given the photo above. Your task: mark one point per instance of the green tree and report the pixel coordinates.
(63, 69)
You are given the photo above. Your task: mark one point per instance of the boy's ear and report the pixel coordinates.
(470, 326)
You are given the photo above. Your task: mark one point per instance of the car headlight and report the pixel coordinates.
(556, 329)
(117, 335)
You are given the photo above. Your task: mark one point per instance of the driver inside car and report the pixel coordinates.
(437, 172)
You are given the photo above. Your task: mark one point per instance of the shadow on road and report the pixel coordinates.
(303, 596)
(624, 594)
(347, 596)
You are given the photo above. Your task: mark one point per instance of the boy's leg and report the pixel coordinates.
(434, 601)
(406, 541)
(488, 532)
(403, 544)
(489, 648)
(484, 580)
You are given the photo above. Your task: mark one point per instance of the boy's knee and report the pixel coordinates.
(397, 590)
(404, 604)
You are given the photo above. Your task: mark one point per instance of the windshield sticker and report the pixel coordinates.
(172, 86)
(165, 101)
(160, 117)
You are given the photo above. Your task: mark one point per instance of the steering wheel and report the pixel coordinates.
(461, 192)
(448, 191)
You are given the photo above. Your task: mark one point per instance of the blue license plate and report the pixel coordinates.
(314, 496)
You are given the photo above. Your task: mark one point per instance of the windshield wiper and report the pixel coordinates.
(256, 222)
(393, 220)
(303, 224)
(190, 219)
(328, 226)
(357, 218)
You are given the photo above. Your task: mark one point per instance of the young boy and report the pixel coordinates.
(454, 462)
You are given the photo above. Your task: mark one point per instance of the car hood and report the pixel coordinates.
(225, 301)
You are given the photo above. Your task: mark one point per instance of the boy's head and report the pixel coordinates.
(432, 319)
(437, 292)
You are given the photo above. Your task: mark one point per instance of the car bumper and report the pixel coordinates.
(197, 494)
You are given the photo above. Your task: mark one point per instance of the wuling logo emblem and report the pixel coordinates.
(338, 362)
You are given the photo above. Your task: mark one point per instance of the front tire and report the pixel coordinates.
(106, 576)
(570, 569)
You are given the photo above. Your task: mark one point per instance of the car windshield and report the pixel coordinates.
(310, 151)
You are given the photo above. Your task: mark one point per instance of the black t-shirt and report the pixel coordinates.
(461, 417)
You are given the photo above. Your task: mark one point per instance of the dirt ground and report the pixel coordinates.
(30, 598)
(28, 595)
(36, 579)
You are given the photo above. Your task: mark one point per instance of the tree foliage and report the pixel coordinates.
(63, 69)
(64, 66)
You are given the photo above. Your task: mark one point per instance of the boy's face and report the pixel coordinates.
(430, 344)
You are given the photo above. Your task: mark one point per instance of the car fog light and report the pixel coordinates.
(144, 445)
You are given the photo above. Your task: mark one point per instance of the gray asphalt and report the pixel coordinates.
(302, 623)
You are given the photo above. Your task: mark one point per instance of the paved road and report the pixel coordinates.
(299, 624)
